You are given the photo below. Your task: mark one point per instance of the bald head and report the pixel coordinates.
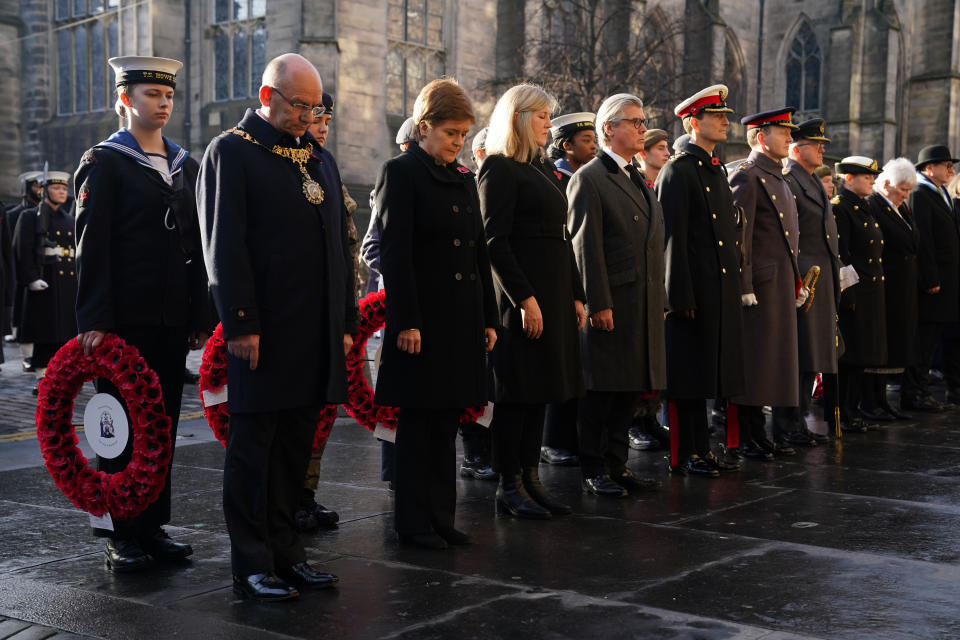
(290, 85)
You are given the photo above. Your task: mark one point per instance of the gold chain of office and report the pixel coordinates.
(312, 190)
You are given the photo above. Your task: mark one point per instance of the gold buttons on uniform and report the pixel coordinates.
(876, 224)
(456, 209)
(856, 207)
(241, 313)
(720, 242)
(864, 225)
(699, 163)
(781, 215)
(61, 273)
(635, 218)
(874, 278)
(456, 242)
(869, 260)
(871, 240)
(69, 233)
(763, 180)
(828, 236)
(882, 278)
(458, 276)
(58, 233)
(714, 216)
(723, 269)
(786, 233)
(773, 197)
(708, 189)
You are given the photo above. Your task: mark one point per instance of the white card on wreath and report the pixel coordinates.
(106, 426)
(382, 433)
(102, 522)
(487, 417)
(211, 398)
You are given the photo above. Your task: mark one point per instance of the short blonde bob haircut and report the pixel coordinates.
(513, 136)
(442, 99)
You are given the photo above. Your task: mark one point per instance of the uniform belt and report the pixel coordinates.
(541, 231)
(59, 251)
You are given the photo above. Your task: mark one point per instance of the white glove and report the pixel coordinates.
(749, 300)
(802, 298)
(37, 285)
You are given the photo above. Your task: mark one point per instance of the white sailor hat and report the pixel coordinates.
(30, 176)
(858, 164)
(479, 140)
(55, 177)
(405, 133)
(712, 99)
(569, 123)
(145, 69)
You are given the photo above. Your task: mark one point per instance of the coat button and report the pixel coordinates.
(61, 273)
(720, 243)
(881, 241)
(708, 189)
(879, 259)
(855, 208)
(876, 224)
(864, 225)
(723, 269)
(714, 216)
(773, 197)
(869, 260)
(763, 180)
(635, 218)
(58, 233)
(456, 242)
(874, 278)
(456, 209)
(828, 236)
(786, 233)
(241, 313)
(71, 273)
(781, 215)
(699, 163)
(458, 276)
(882, 278)
(871, 240)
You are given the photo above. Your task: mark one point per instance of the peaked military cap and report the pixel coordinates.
(405, 132)
(30, 176)
(653, 136)
(858, 164)
(145, 69)
(710, 100)
(777, 117)
(811, 130)
(934, 153)
(327, 103)
(55, 177)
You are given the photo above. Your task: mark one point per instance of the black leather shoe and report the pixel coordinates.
(896, 413)
(876, 415)
(696, 466)
(125, 556)
(750, 449)
(512, 498)
(477, 468)
(28, 365)
(423, 540)
(856, 425)
(265, 587)
(639, 440)
(721, 465)
(819, 438)
(326, 518)
(603, 485)
(560, 457)
(801, 438)
(160, 546)
(303, 575)
(36, 388)
(453, 536)
(632, 482)
(540, 495)
(926, 403)
(774, 448)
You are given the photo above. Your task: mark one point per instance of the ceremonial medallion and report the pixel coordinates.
(311, 188)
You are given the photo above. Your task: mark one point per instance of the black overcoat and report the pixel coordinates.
(7, 276)
(525, 219)
(769, 259)
(704, 354)
(133, 270)
(939, 257)
(436, 276)
(44, 249)
(617, 227)
(901, 241)
(863, 305)
(278, 267)
(817, 330)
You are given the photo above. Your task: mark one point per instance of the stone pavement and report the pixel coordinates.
(854, 539)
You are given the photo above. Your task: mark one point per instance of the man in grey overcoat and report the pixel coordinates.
(769, 281)
(617, 228)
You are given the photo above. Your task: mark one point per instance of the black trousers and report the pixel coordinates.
(560, 425)
(267, 456)
(426, 470)
(689, 433)
(792, 418)
(517, 431)
(950, 354)
(850, 381)
(165, 350)
(603, 420)
(915, 382)
(477, 441)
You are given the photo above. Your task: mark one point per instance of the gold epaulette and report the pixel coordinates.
(835, 200)
(745, 165)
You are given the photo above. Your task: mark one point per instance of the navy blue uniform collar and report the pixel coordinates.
(124, 142)
(701, 154)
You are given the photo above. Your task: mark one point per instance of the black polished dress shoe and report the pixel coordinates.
(639, 440)
(304, 576)
(603, 485)
(696, 466)
(540, 495)
(28, 365)
(819, 438)
(720, 464)
(327, 518)
(632, 482)
(926, 403)
(423, 540)
(774, 448)
(855, 425)
(896, 413)
(454, 537)
(162, 547)
(560, 457)
(125, 555)
(477, 468)
(512, 498)
(265, 587)
(750, 449)
(801, 438)
(876, 415)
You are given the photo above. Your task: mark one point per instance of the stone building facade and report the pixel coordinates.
(885, 74)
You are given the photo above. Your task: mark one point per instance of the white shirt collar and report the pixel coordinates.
(880, 193)
(618, 159)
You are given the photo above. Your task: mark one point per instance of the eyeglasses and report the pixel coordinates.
(316, 111)
(637, 122)
(819, 145)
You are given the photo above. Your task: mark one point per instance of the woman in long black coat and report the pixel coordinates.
(901, 242)
(539, 295)
(441, 316)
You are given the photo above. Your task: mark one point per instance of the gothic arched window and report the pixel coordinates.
(803, 71)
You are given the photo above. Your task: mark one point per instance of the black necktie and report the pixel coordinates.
(635, 177)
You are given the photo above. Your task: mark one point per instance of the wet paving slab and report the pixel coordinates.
(848, 540)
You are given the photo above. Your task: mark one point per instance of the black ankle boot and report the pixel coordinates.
(536, 490)
(512, 498)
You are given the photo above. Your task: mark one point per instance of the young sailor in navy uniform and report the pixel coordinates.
(140, 269)
(44, 251)
(574, 143)
(32, 195)
(862, 305)
(704, 324)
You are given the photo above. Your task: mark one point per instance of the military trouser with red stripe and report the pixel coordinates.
(688, 429)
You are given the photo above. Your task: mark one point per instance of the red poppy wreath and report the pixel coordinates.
(127, 493)
(213, 387)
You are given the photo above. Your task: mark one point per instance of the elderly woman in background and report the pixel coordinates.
(538, 291)
(901, 242)
(440, 310)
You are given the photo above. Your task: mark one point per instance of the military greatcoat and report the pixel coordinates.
(705, 353)
(862, 306)
(817, 329)
(939, 256)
